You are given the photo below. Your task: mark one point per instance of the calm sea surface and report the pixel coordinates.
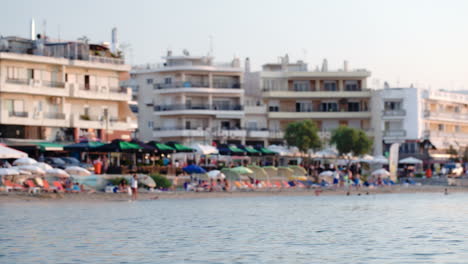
(393, 228)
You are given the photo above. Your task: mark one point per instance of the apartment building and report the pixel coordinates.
(425, 122)
(191, 99)
(62, 91)
(291, 92)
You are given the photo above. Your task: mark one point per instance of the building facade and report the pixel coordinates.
(426, 123)
(191, 99)
(62, 91)
(291, 92)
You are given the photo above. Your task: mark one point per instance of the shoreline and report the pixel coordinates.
(13, 197)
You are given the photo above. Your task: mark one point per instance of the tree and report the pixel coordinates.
(303, 135)
(350, 140)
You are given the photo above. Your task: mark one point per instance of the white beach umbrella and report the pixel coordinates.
(20, 171)
(43, 166)
(410, 160)
(326, 153)
(8, 171)
(57, 173)
(24, 161)
(366, 158)
(380, 160)
(32, 168)
(326, 173)
(204, 149)
(11, 153)
(213, 174)
(77, 171)
(381, 172)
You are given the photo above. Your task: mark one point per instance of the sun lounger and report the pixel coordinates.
(249, 185)
(32, 187)
(278, 185)
(47, 187)
(13, 186)
(58, 186)
(286, 184)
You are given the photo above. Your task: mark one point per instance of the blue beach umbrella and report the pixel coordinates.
(194, 169)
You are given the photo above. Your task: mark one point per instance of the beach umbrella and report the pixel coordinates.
(77, 171)
(194, 169)
(146, 180)
(410, 160)
(33, 169)
(380, 160)
(326, 173)
(366, 158)
(326, 153)
(265, 151)
(57, 173)
(204, 149)
(43, 166)
(298, 170)
(241, 170)
(213, 174)
(118, 145)
(145, 147)
(24, 161)
(381, 172)
(83, 146)
(11, 153)
(161, 147)
(8, 171)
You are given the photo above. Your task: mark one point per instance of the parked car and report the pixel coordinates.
(56, 162)
(70, 161)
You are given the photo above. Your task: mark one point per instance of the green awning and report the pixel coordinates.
(124, 145)
(267, 151)
(235, 149)
(165, 147)
(182, 148)
(49, 146)
(251, 150)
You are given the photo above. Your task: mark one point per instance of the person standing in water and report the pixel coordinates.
(134, 185)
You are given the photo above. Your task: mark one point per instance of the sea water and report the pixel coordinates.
(386, 228)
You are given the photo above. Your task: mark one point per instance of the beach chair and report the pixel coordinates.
(286, 184)
(278, 185)
(13, 186)
(32, 187)
(249, 186)
(46, 186)
(58, 186)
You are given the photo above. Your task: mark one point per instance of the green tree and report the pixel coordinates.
(303, 135)
(351, 140)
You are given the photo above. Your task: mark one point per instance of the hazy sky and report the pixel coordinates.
(400, 41)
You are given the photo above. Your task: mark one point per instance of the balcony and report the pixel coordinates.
(395, 133)
(292, 114)
(100, 92)
(258, 133)
(220, 111)
(228, 132)
(198, 87)
(163, 132)
(455, 136)
(36, 87)
(446, 116)
(257, 109)
(285, 94)
(395, 113)
(35, 119)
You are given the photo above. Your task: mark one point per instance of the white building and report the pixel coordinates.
(191, 99)
(413, 116)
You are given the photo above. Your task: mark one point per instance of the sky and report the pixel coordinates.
(419, 42)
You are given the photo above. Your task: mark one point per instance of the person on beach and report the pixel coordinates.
(134, 185)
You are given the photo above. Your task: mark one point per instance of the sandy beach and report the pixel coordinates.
(144, 196)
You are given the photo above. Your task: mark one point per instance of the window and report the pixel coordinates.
(392, 105)
(168, 80)
(252, 125)
(301, 86)
(149, 81)
(440, 127)
(66, 77)
(30, 73)
(353, 107)
(329, 86)
(304, 107)
(329, 107)
(351, 86)
(150, 124)
(457, 129)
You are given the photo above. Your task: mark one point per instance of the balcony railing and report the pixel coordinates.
(106, 60)
(18, 114)
(52, 84)
(399, 112)
(315, 109)
(395, 133)
(158, 86)
(190, 84)
(159, 108)
(118, 89)
(18, 81)
(178, 128)
(54, 115)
